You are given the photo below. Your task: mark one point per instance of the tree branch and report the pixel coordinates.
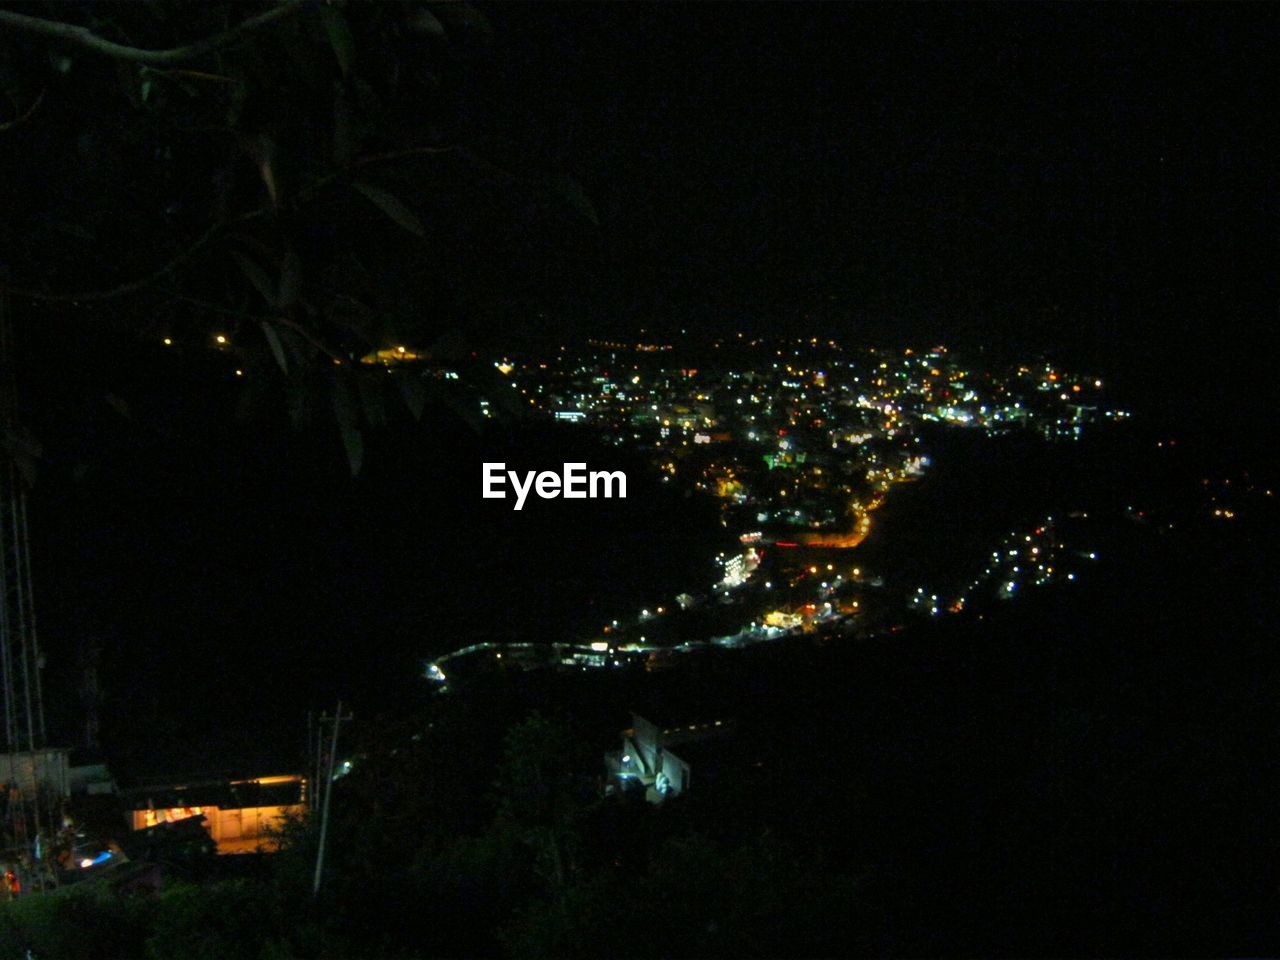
(191, 74)
(283, 320)
(90, 296)
(18, 121)
(85, 38)
(312, 189)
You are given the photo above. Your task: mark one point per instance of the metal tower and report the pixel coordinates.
(28, 818)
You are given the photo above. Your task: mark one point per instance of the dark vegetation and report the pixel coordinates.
(1086, 774)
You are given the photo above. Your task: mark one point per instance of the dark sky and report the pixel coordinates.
(1093, 179)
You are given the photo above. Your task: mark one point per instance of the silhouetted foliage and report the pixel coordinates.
(310, 188)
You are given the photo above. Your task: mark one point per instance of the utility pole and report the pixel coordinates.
(328, 793)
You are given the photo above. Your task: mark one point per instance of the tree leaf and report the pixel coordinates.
(392, 207)
(424, 21)
(463, 16)
(290, 281)
(371, 400)
(463, 405)
(119, 405)
(277, 348)
(339, 34)
(257, 276)
(74, 230)
(301, 399)
(263, 150)
(348, 417)
(353, 442)
(344, 126)
(414, 393)
(572, 191)
(23, 450)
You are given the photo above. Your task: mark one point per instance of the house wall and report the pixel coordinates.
(233, 829)
(647, 740)
(676, 770)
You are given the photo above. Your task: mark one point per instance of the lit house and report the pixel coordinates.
(646, 761)
(237, 814)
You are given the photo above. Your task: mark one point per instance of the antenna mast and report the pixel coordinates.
(22, 725)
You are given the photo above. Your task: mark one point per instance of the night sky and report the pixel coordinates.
(1097, 181)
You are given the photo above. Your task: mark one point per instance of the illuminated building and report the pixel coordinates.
(237, 814)
(646, 762)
